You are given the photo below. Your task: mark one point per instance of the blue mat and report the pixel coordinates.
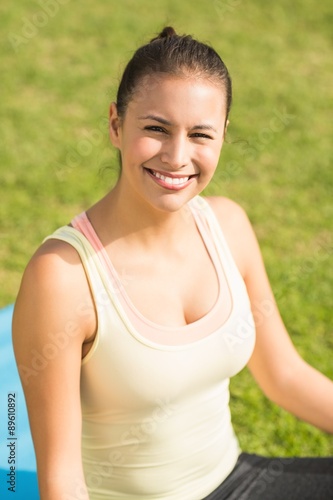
(16, 453)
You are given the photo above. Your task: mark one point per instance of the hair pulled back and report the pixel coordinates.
(174, 55)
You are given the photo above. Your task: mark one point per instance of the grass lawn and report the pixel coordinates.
(60, 63)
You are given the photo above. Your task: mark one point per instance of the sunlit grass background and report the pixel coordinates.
(60, 62)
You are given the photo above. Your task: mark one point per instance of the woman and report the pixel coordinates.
(133, 318)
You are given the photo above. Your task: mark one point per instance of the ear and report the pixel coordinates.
(114, 125)
(225, 128)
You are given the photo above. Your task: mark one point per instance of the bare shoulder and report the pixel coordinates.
(228, 212)
(55, 266)
(237, 230)
(54, 286)
(54, 253)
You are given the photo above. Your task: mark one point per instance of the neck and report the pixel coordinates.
(119, 216)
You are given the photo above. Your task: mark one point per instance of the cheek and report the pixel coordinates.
(209, 158)
(146, 147)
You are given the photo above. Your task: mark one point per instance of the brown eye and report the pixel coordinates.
(201, 136)
(155, 128)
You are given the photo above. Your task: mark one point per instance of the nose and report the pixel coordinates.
(176, 152)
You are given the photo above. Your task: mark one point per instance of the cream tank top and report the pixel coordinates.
(156, 421)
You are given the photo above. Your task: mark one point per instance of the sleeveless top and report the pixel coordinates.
(156, 421)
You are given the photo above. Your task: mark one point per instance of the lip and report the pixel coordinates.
(167, 185)
(170, 174)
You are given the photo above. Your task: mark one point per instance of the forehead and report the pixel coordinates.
(179, 99)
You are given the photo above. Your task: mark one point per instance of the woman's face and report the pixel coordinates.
(170, 139)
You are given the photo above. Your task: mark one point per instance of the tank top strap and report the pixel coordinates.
(98, 281)
(206, 217)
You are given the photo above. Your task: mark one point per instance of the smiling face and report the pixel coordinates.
(170, 140)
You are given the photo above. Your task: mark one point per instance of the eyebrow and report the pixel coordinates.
(163, 121)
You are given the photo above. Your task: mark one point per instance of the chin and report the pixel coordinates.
(171, 203)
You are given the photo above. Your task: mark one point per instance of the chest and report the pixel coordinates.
(175, 289)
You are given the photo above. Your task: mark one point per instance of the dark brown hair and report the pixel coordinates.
(175, 55)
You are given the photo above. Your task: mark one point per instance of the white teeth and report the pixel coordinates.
(170, 180)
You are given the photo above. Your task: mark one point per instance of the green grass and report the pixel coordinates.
(56, 85)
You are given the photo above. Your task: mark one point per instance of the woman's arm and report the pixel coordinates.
(48, 334)
(275, 364)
